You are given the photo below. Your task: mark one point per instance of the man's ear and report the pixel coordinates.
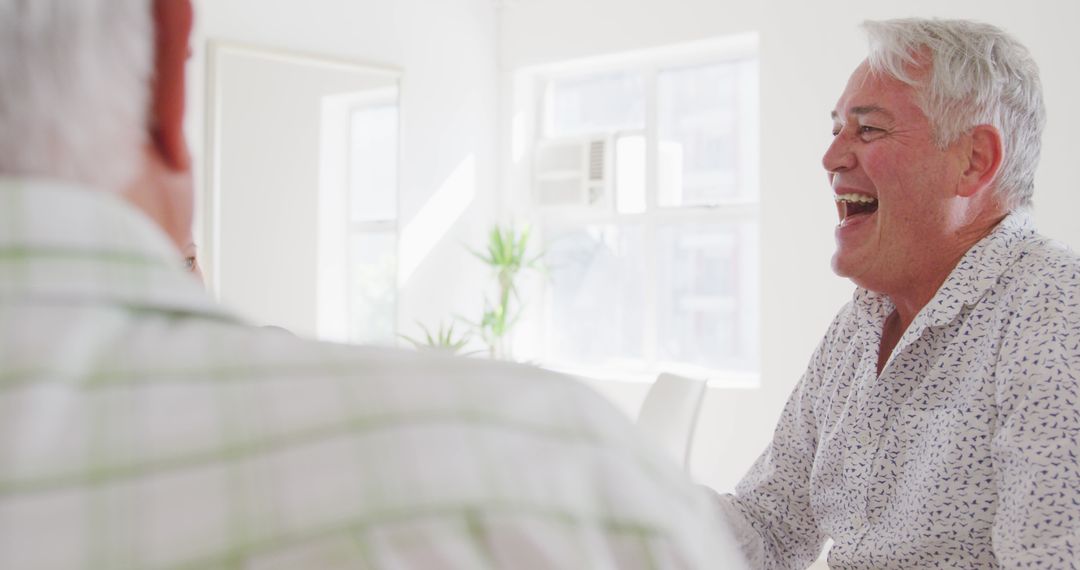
(983, 160)
(172, 31)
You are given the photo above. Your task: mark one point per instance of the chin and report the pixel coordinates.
(839, 265)
(849, 269)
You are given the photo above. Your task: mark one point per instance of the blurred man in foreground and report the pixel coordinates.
(143, 427)
(938, 424)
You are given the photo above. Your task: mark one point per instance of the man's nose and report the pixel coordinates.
(838, 157)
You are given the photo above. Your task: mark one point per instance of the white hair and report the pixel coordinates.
(979, 75)
(74, 88)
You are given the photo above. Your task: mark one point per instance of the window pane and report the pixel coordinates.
(373, 164)
(373, 287)
(699, 151)
(598, 284)
(707, 287)
(630, 174)
(596, 104)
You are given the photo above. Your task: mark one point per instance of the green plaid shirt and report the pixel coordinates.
(141, 426)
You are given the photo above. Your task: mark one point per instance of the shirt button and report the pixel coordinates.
(856, 522)
(864, 438)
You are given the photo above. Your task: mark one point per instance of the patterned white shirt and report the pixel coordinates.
(141, 426)
(963, 453)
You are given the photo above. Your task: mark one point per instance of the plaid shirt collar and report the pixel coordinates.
(60, 243)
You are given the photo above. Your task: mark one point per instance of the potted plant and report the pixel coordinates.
(443, 339)
(507, 256)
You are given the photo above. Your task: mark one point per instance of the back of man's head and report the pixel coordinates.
(979, 75)
(74, 89)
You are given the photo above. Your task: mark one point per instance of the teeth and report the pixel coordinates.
(862, 198)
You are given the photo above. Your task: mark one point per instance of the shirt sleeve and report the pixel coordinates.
(1035, 446)
(770, 512)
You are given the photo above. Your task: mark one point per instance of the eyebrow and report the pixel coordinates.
(864, 110)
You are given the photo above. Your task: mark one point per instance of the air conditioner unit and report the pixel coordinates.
(575, 173)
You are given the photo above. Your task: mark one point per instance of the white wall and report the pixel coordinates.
(446, 52)
(807, 51)
(271, 145)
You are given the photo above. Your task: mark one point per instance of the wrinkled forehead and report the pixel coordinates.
(869, 91)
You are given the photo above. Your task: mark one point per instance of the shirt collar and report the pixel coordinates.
(978, 270)
(60, 243)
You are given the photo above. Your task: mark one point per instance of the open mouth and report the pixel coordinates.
(852, 205)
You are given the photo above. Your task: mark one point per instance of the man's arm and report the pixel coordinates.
(1036, 445)
(770, 511)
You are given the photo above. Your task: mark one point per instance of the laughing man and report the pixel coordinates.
(937, 423)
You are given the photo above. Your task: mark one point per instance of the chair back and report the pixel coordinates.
(669, 413)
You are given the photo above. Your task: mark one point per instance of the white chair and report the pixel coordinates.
(669, 413)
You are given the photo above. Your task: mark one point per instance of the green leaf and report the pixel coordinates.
(506, 254)
(442, 339)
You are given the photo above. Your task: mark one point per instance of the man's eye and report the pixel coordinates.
(189, 263)
(867, 129)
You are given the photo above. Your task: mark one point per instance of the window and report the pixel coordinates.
(358, 220)
(373, 238)
(596, 103)
(655, 267)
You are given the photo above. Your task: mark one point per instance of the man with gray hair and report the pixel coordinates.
(141, 426)
(938, 423)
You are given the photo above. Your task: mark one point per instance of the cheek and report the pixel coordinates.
(896, 177)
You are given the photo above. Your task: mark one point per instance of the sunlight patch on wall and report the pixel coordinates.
(435, 219)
